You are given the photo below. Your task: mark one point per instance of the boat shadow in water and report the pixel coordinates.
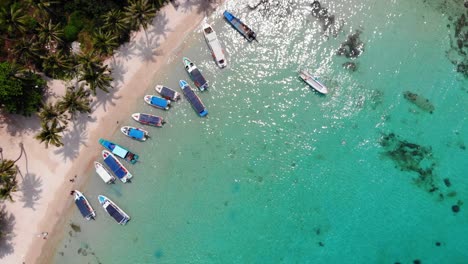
(31, 189)
(7, 224)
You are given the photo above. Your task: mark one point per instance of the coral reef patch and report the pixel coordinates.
(421, 102)
(352, 47)
(327, 20)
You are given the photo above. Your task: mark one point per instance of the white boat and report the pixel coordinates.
(135, 133)
(195, 74)
(105, 175)
(313, 82)
(116, 167)
(83, 205)
(113, 210)
(157, 102)
(214, 45)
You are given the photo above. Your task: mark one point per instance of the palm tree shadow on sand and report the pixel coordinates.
(118, 71)
(202, 6)
(103, 99)
(159, 26)
(146, 48)
(72, 141)
(31, 189)
(7, 224)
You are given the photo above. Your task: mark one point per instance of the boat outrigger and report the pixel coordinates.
(167, 93)
(194, 100)
(113, 210)
(135, 133)
(240, 26)
(119, 151)
(313, 82)
(147, 119)
(83, 205)
(116, 167)
(214, 45)
(157, 102)
(105, 175)
(195, 74)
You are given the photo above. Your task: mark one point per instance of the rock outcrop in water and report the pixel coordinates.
(352, 66)
(352, 47)
(459, 44)
(328, 21)
(419, 101)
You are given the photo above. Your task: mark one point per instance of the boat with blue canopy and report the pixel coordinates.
(119, 151)
(135, 133)
(116, 167)
(113, 210)
(157, 102)
(167, 93)
(194, 100)
(195, 74)
(83, 205)
(147, 119)
(240, 26)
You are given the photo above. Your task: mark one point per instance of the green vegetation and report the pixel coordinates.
(36, 39)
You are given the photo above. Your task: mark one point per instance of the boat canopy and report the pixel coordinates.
(83, 207)
(166, 92)
(105, 176)
(158, 101)
(195, 101)
(135, 133)
(115, 167)
(197, 77)
(149, 119)
(118, 151)
(115, 213)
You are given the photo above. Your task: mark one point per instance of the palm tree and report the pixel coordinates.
(8, 183)
(26, 52)
(139, 14)
(43, 5)
(52, 113)
(50, 34)
(114, 21)
(104, 42)
(56, 64)
(13, 19)
(96, 75)
(75, 100)
(50, 134)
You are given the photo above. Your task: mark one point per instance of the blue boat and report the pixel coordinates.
(116, 167)
(157, 102)
(240, 26)
(193, 99)
(195, 74)
(135, 133)
(83, 205)
(119, 151)
(113, 210)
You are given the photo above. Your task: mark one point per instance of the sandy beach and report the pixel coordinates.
(39, 214)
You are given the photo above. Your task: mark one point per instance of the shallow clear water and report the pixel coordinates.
(280, 174)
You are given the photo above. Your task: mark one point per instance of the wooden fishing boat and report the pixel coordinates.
(119, 151)
(248, 33)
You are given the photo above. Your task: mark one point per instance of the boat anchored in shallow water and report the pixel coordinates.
(193, 99)
(119, 151)
(157, 102)
(135, 133)
(313, 82)
(116, 167)
(113, 210)
(105, 175)
(83, 205)
(147, 119)
(195, 74)
(214, 45)
(240, 26)
(167, 93)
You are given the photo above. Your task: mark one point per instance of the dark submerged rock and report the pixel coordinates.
(352, 47)
(416, 261)
(419, 101)
(437, 244)
(327, 20)
(447, 182)
(350, 66)
(455, 208)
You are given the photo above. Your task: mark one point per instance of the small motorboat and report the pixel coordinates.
(119, 151)
(157, 102)
(214, 45)
(147, 119)
(313, 82)
(193, 98)
(195, 74)
(113, 210)
(83, 205)
(105, 175)
(135, 133)
(167, 93)
(116, 167)
(240, 26)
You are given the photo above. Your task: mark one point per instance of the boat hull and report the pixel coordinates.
(116, 167)
(195, 75)
(113, 210)
(313, 82)
(84, 206)
(167, 93)
(105, 175)
(193, 99)
(149, 120)
(157, 102)
(242, 28)
(119, 151)
(135, 133)
(214, 45)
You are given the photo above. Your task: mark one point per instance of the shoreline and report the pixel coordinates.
(133, 68)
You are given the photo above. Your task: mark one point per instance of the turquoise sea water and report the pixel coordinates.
(280, 174)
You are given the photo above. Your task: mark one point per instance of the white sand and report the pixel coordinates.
(42, 200)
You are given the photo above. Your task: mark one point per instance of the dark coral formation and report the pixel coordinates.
(352, 47)
(419, 101)
(352, 66)
(459, 45)
(328, 21)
